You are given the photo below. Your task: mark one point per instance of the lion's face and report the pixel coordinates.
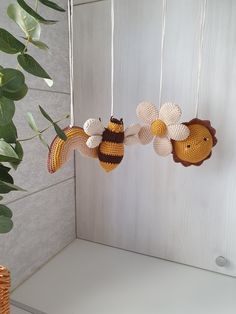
(197, 147)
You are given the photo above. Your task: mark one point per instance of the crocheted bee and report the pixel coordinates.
(110, 141)
(198, 146)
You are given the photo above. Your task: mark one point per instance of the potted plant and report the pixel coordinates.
(13, 88)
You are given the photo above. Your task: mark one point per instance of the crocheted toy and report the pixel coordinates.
(60, 151)
(198, 146)
(163, 126)
(110, 141)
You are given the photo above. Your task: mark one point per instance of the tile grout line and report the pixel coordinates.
(42, 266)
(83, 3)
(40, 190)
(25, 307)
(48, 91)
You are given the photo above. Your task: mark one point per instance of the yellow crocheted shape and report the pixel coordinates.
(115, 127)
(158, 128)
(196, 147)
(112, 149)
(108, 166)
(60, 151)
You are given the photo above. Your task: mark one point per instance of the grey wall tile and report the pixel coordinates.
(43, 225)
(32, 174)
(55, 61)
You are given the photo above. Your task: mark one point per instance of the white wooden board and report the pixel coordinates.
(149, 204)
(103, 280)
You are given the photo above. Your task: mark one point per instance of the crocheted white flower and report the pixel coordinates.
(163, 126)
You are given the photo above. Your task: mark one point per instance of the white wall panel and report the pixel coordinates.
(150, 204)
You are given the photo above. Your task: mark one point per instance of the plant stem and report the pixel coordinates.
(40, 132)
(36, 5)
(26, 44)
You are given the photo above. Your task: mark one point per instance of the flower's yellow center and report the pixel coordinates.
(158, 128)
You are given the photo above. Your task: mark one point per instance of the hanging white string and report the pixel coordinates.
(162, 49)
(112, 56)
(200, 50)
(71, 59)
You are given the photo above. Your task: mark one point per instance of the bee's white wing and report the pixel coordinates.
(131, 140)
(131, 134)
(147, 112)
(94, 141)
(133, 129)
(93, 127)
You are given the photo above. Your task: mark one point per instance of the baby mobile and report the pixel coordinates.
(190, 142)
(198, 146)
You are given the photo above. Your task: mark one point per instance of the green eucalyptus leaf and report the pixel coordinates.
(29, 25)
(20, 153)
(5, 176)
(30, 65)
(8, 132)
(7, 110)
(5, 211)
(13, 84)
(33, 13)
(60, 132)
(17, 95)
(52, 5)
(11, 79)
(19, 150)
(6, 224)
(6, 187)
(46, 116)
(4, 168)
(42, 140)
(32, 122)
(9, 44)
(7, 153)
(39, 44)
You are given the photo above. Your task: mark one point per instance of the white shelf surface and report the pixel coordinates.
(89, 278)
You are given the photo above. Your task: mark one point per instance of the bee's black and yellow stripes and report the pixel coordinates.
(111, 149)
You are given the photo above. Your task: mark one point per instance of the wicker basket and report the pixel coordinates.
(5, 284)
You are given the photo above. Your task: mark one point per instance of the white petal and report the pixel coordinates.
(133, 129)
(131, 140)
(93, 127)
(145, 135)
(94, 141)
(178, 132)
(162, 146)
(170, 113)
(147, 112)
